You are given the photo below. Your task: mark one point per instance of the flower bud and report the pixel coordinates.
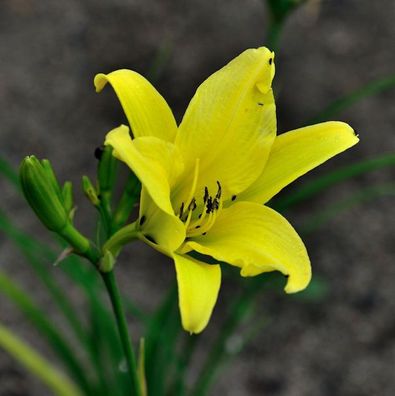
(42, 191)
(67, 194)
(90, 191)
(106, 171)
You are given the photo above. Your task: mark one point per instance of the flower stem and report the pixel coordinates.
(113, 291)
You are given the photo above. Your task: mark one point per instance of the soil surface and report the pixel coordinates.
(342, 343)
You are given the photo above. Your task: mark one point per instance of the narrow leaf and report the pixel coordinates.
(373, 88)
(59, 384)
(313, 188)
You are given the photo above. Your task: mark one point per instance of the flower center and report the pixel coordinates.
(200, 217)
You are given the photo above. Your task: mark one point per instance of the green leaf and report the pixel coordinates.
(370, 89)
(46, 328)
(326, 214)
(161, 336)
(30, 249)
(239, 309)
(320, 184)
(55, 380)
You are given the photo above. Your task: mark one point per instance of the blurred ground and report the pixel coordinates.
(49, 52)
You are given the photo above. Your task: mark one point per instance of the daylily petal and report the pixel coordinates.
(297, 152)
(146, 110)
(257, 239)
(166, 232)
(155, 162)
(230, 124)
(198, 287)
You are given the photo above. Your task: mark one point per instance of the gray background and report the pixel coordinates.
(49, 53)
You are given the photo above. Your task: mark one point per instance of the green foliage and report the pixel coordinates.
(372, 88)
(34, 362)
(90, 349)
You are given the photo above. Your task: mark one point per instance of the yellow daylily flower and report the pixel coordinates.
(206, 181)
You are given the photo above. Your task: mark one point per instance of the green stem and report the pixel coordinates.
(115, 296)
(123, 236)
(81, 244)
(127, 201)
(273, 35)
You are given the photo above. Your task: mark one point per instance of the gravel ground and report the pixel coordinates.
(343, 344)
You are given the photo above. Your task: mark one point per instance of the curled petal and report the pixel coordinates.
(146, 110)
(155, 162)
(257, 239)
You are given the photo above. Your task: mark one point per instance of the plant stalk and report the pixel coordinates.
(115, 297)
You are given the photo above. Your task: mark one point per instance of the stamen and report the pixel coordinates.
(181, 210)
(194, 183)
(219, 192)
(209, 205)
(206, 195)
(192, 205)
(188, 220)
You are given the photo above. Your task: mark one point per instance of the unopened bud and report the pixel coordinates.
(42, 191)
(67, 194)
(90, 191)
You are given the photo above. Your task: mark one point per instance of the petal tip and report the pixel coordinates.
(298, 283)
(100, 81)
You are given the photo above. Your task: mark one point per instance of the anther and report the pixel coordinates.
(142, 220)
(260, 104)
(209, 205)
(219, 192)
(181, 210)
(204, 233)
(234, 197)
(205, 198)
(270, 61)
(192, 205)
(215, 204)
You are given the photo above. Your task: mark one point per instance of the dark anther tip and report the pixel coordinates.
(270, 61)
(234, 197)
(142, 220)
(204, 233)
(99, 152)
(260, 104)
